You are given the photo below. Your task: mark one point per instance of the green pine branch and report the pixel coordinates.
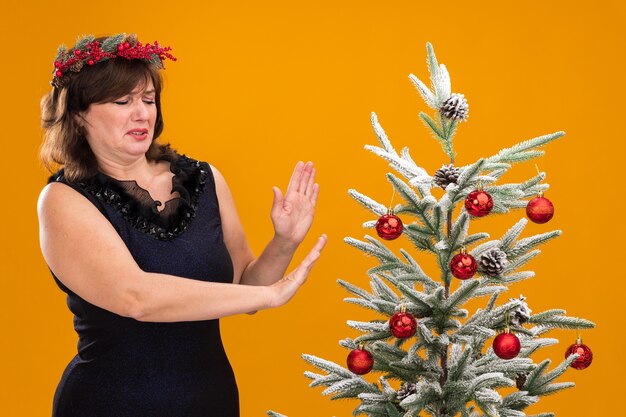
(368, 203)
(82, 42)
(110, 43)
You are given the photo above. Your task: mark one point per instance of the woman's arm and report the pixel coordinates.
(87, 255)
(291, 214)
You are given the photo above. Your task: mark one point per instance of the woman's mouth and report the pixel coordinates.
(138, 134)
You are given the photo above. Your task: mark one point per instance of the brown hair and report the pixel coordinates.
(64, 139)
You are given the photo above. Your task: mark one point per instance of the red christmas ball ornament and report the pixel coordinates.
(403, 325)
(540, 210)
(479, 203)
(360, 361)
(463, 265)
(585, 355)
(389, 226)
(506, 345)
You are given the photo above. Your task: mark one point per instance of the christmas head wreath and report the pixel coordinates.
(89, 51)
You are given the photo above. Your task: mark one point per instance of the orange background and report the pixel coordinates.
(261, 85)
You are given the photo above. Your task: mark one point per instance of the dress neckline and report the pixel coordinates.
(138, 207)
(150, 200)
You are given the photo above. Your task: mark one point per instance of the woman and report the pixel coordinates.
(147, 243)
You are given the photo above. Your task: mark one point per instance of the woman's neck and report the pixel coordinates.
(139, 169)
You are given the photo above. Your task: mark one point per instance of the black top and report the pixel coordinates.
(129, 368)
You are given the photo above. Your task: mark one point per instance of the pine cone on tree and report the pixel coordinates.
(455, 107)
(446, 175)
(405, 390)
(493, 262)
(520, 381)
(522, 313)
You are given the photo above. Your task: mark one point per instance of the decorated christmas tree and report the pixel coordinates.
(433, 357)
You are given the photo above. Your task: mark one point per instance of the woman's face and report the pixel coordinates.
(122, 129)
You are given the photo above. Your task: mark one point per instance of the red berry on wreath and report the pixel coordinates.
(389, 226)
(403, 325)
(360, 361)
(506, 345)
(585, 355)
(479, 203)
(463, 265)
(540, 210)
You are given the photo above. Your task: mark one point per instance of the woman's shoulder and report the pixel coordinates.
(61, 193)
(197, 170)
(183, 161)
(58, 184)
(58, 196)
(60, 177)
(202, 174)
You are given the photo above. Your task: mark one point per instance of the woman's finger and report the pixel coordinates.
(310, 182)
(314, 193)
(306, 175)
(314, 254)
(294, 181)
(289, 285)
(302, 271)
(277, 204)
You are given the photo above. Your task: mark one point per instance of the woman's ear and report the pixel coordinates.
(79, 123)
(78, 119)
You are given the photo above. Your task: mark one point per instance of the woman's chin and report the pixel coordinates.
(139, 147)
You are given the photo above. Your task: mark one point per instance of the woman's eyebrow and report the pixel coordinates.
(143, 93)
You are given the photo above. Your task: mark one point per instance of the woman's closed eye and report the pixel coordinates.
(123, 102)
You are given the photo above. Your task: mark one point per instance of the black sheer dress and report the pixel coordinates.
(129, 368)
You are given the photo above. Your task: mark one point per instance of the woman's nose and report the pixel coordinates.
(140, 110)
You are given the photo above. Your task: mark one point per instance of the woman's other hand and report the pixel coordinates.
(284, 290)
(292, 214)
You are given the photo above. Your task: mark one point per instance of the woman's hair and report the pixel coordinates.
(64, 139)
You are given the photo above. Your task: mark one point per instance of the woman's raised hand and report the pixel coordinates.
(284, 290)
(292, 214)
